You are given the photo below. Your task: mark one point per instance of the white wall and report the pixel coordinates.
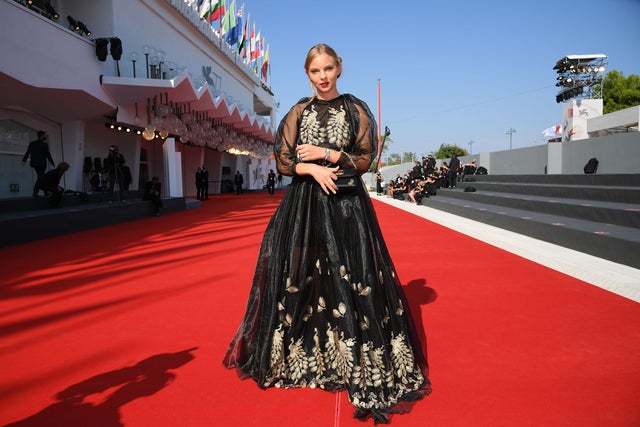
(616, 154)
(182, 43)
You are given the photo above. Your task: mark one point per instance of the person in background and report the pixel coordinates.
(271, 181)
(199, 183)
(379, 184)
(468, 169)
(50, 184)
(454, 166)
(114, 165)
(238, 180)
(204, 174)
(152, 191)
(326, 308)
(39, 153)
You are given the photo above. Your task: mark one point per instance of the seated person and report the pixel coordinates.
(444, 171)
(152, 191)
(50, 184)
(438, 180)
(468, 169)
(399, 189)
(391, 188)
(416, 190)
(423, 189)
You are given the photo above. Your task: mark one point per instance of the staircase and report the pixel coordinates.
(594, 214)
(28, 219)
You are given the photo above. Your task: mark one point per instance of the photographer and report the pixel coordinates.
(114, 167)
(50, 184)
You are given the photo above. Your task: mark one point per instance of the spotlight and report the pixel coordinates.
(101, 49)
(116, 48)
(73, 25)
(51, 11)
(84, 28)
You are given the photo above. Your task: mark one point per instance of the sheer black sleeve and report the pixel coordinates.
(364, 150)
(286, 139)
(360, 153)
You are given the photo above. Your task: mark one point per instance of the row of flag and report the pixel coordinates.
(237, 32)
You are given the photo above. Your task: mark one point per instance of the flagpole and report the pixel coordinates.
(379, 121)
(224, 3)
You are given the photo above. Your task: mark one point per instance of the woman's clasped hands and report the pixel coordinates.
(325, 176)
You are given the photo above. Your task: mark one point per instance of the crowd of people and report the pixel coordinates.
(425, 179)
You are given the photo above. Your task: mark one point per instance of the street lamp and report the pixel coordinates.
(510, 132)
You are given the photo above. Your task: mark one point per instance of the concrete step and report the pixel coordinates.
(624, 214)
(608, 241)
(21, 226)
(608, 193)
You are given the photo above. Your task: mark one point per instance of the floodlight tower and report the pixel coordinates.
(580, 76)
(580, 82)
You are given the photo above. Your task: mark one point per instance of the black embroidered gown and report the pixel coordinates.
(326, 308)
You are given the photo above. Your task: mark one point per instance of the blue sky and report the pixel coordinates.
(450, 71)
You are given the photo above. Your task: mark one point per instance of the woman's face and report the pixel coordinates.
(323, 73)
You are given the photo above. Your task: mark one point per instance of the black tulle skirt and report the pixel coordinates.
(326, 308)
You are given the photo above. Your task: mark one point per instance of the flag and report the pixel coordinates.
(552, 133)
(246, 52)
(255, 48)
(252, 42)
(233, 35)
(241, 44)
(229, 20)
(211, 10)
(265, 65)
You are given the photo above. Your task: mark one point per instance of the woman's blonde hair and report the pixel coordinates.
(314, 52)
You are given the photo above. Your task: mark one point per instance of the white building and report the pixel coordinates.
(200, 103)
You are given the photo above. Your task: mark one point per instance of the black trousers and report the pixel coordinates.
(453, 176)
(40, 173)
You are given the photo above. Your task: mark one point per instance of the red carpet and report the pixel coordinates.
(127, 325)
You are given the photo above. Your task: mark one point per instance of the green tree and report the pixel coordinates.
(620, 92)
(409, 157)
(394, 159)
(446, 151)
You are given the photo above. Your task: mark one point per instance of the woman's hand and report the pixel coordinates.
(324, 176)
(310, 152)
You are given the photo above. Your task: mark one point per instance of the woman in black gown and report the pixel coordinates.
(326, 308)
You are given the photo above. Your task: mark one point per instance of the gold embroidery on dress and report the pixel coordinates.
(336, 132)
(377, 377)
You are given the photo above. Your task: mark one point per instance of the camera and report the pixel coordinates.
(113, 149)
